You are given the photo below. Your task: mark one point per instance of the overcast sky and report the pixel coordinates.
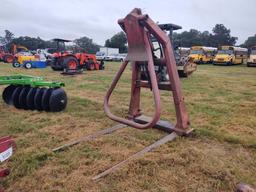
(97, 19)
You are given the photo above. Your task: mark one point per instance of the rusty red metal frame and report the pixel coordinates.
(5, 144)
(138, 29)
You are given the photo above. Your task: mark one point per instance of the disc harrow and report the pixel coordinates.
(33, 93)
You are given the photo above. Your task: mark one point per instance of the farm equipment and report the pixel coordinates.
(5, 56)
(33, 93)
(28, 60)
(69, 61)
(29, 64)
(18, 48)
(7, 146)
(9, 57)
(20, 59)
(185, 65)
(147, 72)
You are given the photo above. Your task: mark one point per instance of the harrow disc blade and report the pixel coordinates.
(16, 95)
(38, 99)
(23, 97)
(30, 98)
(7, 94)
(46, 99)
(58, 100)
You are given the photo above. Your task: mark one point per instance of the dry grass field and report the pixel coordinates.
(220, 153)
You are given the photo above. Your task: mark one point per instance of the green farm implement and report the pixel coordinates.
(33, 93)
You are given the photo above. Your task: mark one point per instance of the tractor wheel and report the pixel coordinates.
(8, 59)
(28, 65)
(70, 63)
(54, 63)
(92, 66)
(16, 65)
(102, 67)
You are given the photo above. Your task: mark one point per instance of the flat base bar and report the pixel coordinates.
(162, 141)
(161, 85)
(165, 126)
(90, 137)
(162, 125)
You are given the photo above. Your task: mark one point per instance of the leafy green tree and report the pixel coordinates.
(7, 39)
(1, 40)
(87, 45)
(251, 41)
(30, 42)
(221, 36)
(206, 38)
(9, 36)
(119, 40)
(187, 38)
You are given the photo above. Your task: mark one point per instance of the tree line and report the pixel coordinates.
(220, 35)
(82, 44)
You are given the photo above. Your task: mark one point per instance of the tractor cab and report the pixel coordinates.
(61, 46)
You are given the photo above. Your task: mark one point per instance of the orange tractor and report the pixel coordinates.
(9, 57)
(5, 56)
(69, 61)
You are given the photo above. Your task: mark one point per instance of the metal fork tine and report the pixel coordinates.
(162, 141)
(90, 137)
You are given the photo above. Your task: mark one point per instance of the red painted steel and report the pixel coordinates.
(139, 28)
(5, 144)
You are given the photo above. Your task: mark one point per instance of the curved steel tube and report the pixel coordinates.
(155, 92)
(138, 29)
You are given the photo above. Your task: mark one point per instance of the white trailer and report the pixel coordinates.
(105, 52)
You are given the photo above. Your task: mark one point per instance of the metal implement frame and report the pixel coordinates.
(139, 28)
(32, 81)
